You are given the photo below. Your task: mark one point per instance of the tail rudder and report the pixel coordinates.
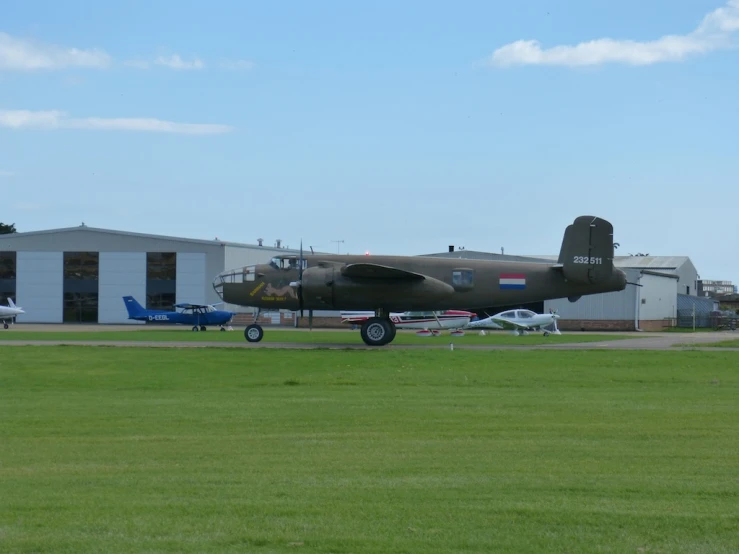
(587, 250)
(134, 308)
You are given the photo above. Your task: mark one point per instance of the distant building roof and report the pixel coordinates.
(477, 255)
(637, 262)
(85, 228)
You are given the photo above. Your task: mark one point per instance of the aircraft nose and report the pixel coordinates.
(226, 277)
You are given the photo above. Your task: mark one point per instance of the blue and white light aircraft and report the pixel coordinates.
(197, 315)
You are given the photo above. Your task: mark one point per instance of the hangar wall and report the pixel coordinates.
(648, 307)
(39, 286)
(657, 298)
(83, 272)
(191, 278)
(120, 275)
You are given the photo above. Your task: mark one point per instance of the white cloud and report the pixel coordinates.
(24, 119)
(713, 33)
(173, 62)
(27, 55)
(237, 65)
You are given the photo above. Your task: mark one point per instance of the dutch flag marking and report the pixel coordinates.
(512, 281)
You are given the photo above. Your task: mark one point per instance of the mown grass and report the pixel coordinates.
(302, 336)
(185, 450)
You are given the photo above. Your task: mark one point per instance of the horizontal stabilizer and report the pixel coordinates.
(375, 271)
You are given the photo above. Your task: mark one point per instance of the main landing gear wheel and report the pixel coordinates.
(5, 325)
(195, 328)
(202, 327)
(253, 333)
(377, 331)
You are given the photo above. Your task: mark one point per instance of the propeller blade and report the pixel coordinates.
(300, 279)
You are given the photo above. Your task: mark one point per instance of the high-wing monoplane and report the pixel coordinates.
(9, 313)
(425, 322)
(386, 284)
(197, 315)
(519, 321)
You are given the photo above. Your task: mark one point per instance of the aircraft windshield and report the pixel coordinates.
(286, 262)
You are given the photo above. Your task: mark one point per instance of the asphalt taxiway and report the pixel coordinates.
(641, 341)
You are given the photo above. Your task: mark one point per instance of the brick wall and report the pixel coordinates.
(611, 325)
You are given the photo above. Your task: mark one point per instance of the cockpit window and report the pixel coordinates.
(286, 262)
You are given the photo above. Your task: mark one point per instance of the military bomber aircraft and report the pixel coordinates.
(386, 284)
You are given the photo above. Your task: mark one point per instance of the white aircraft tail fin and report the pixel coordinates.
(11, 303)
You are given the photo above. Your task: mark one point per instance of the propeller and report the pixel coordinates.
(299, 286)
(300, 279)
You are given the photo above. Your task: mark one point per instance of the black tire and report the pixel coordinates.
(253, 333)
(5, 325)
(194, 327)
(223, 328)
(377, 331)
(202, 327)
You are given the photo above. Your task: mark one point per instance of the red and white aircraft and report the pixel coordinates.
(427, 323)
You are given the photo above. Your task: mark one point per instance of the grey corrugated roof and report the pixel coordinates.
(638, 262)
(144, 236)
(477, 255)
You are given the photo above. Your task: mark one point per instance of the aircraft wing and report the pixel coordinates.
(376, 271)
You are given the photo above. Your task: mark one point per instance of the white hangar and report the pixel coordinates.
(650, 304)
(80, 274)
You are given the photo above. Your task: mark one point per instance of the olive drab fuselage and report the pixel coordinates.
(446, 284)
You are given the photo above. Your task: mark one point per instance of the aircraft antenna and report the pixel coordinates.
(338, 245)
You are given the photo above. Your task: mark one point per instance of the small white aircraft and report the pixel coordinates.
(427, 323)
(518, 321)
(9, 312)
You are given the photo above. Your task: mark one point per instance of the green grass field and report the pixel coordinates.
(186, 450)
(303, 336)
(729, 343)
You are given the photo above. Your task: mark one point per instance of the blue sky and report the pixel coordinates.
(398, 128)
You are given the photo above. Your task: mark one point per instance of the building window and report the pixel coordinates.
(81, 271)
(161, 301)
(161, 266)
(80, 307)
(7, 265)
(161, 280)
(81, 265)
(7, 276)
